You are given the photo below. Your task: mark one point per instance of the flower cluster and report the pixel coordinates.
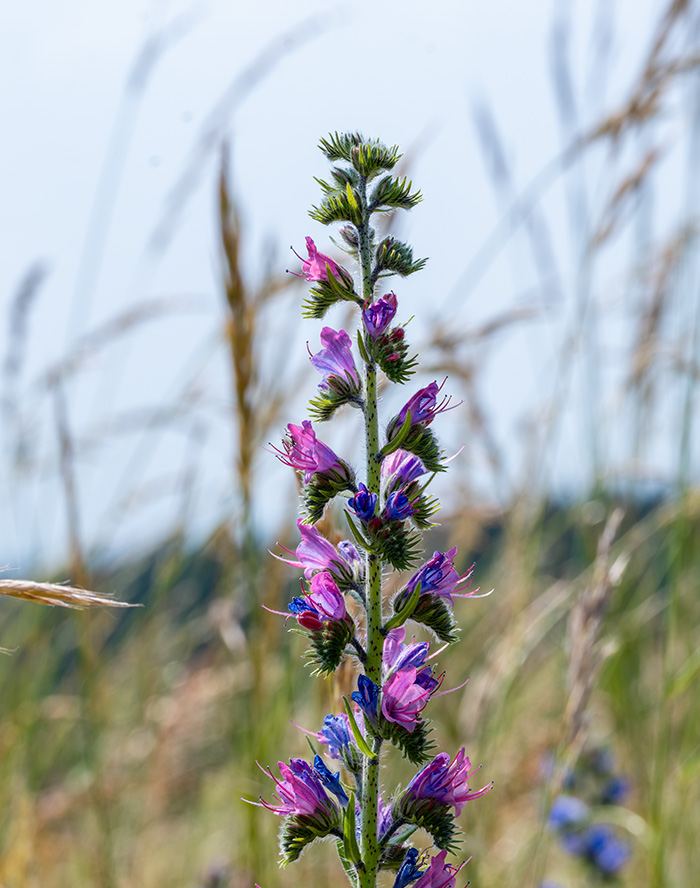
(341, 609)
(591, 786)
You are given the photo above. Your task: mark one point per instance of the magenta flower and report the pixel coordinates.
(335, 359)
(315, 553)
(444, 783)
(303, 451)
(424, 407)
(438, 576)
(403, 698)
(397, 655)
(326, 599)
(315, 268)
(301, 794)
(439, 874)
(379, 315)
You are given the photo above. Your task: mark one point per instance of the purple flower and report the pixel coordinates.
(301, 793)
(398, 507)
(335, 359)
(439, 874)
(363, 504)
(315, 553)
(397, 655)
(423, 406)
(399, 469)
(314, 268)
(335, 734)
(444, 783)
(304, 452)
(439, 577)
(379, 315)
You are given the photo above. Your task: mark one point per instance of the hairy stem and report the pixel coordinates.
(369, 847)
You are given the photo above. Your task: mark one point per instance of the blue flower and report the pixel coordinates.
(363, 504)
(367, 697)
(605, 850)
(330, 780)
(567, 811)
(408, 871)
(335, 733)
(398, 507)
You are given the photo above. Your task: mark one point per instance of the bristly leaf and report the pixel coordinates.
(390, 351)
(435, 818)
(417, 747)
(339, 147)
(326, 293)
(368, 156)
(421, 442)
(328, 646)
(390, 193)
(434, 613)
(347, 865)
(395, 257)
(324, 486)
(338, 393)
(298, 831)
(338, 206)
(397, 543)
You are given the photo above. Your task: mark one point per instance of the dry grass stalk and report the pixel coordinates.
(585, 655)
(56, 594)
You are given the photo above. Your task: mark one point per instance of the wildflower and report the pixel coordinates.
(304, 452)
(400, 469)
(335, 360)
(379, 315)
(567, 811)
(439, 874)
(423, 406)
(408, 871)
(330, 780)
(444, 783)
(335, 734)
(404, 698)
(315, 553)
(604, 850)
(301, 794)
(367, 696)
(397, 655)
(315, 268)
(439, 577)
(323, 604)
(363, 504)
(398, 507)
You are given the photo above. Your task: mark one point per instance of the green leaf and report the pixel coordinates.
(350, 846)
(391, 193)
(398, 438)
(403, 613)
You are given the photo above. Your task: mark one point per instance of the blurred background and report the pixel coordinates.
(158, 162)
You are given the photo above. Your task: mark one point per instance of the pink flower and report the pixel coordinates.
(439, 874)
(314, 268)
(403, 699)
(336, 358)
(326, 599)
(444, 782)
(379, 315)
(303, 451)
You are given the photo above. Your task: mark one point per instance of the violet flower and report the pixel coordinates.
(399, 469)
(439, 874)
(323, 604)
(444, 783)
(303, 451)
(336, 359)
(403, 698)
(379, 315)
(439, 577)
(423, 406)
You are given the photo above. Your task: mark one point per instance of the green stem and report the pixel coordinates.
(369, 845)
